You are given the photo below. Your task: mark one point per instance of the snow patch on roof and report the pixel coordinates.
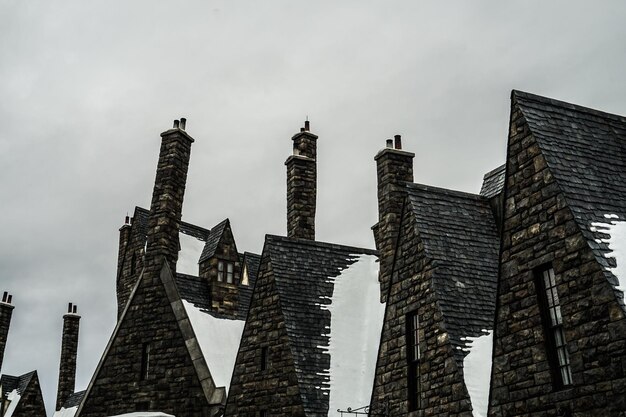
(14, 398)
(477, 371)
(219, 341)
(65, 412)
(144, 414)
(356, 318)
(616, 242)
(189, 254)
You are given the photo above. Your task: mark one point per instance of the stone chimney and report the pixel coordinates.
(167, 198)
(6, 311)
(69, 347)
(124, 239)
(394, 167)
(302, 185)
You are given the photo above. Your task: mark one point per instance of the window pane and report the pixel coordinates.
(220, 276)
(220, 266)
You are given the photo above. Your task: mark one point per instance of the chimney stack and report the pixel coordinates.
(302, 185)
(167, 198)
(394, 167)
(69, 348)
(6, 311)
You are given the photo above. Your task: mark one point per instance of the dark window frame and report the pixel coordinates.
(413, 357)
(145, 362)
(264, 358)
(552, 321)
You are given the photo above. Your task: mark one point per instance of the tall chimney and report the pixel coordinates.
(69, 347)
(167, 199)
(394, 167)
(6, 311)
(302, 185)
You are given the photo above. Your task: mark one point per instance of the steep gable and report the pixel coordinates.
(459, 234)
(585, 150)
(313, 283)
(125, 381)
(21, 395)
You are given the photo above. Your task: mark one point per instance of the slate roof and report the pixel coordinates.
(252, 261)
(459, 234)
(493, 182)
(140, 219)
(74, 400)
(585, 150)
(303, 272)
(20, 383)
(213, 240)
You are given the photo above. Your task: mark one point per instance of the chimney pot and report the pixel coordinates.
(10, 299)
(127, 220)
(5, 296)
(307, 126)
(301, 129)
(183, 123)
(398, 140)
(69, 307)
(176, 124)
(74, 309)
(390, 143)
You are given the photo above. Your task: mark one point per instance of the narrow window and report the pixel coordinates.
(264, 358)
(553, 323)
(220, 271)
(145, 361)
(229, 272)
(413, 358)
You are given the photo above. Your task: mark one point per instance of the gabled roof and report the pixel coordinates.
(213, 240)
(493, 182)
(585, 150)
(16, 387)
(459, 235)
(19, 383)
(251, 261)
(307, 276)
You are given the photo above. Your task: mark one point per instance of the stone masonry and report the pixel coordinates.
(274, 388)
(69, 348)
(442, 390)
(302, 185)
(6, 311)
(394, 167)
(539, 229)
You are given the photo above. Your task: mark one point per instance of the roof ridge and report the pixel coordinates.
(446, 191)
(566, 105)
(494, 171)
(317, 243)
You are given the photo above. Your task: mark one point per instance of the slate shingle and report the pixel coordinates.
(302, 271)
(459, 234)
(585, 150)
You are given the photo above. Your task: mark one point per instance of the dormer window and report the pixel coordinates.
(225, 271)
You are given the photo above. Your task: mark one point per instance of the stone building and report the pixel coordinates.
(182, 303)
(560, 339)
(440, 285)
(309, 344)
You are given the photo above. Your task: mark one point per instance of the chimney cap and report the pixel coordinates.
(7, 298)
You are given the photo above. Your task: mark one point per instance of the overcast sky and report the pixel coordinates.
(86, 88)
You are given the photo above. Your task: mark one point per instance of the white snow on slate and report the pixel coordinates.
(219, 341)
(356, 319)
(65, 412)
(477, 371)
(616, 242)
(144, 414)
(189, 255)
(14, 396)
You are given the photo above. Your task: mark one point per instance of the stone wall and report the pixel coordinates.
(130, 260)
(274, 389)
(443, 392)
(302, 186)
(6, 311)
(539, 229)
(393, 168)
(31, 402)
(67, 367)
